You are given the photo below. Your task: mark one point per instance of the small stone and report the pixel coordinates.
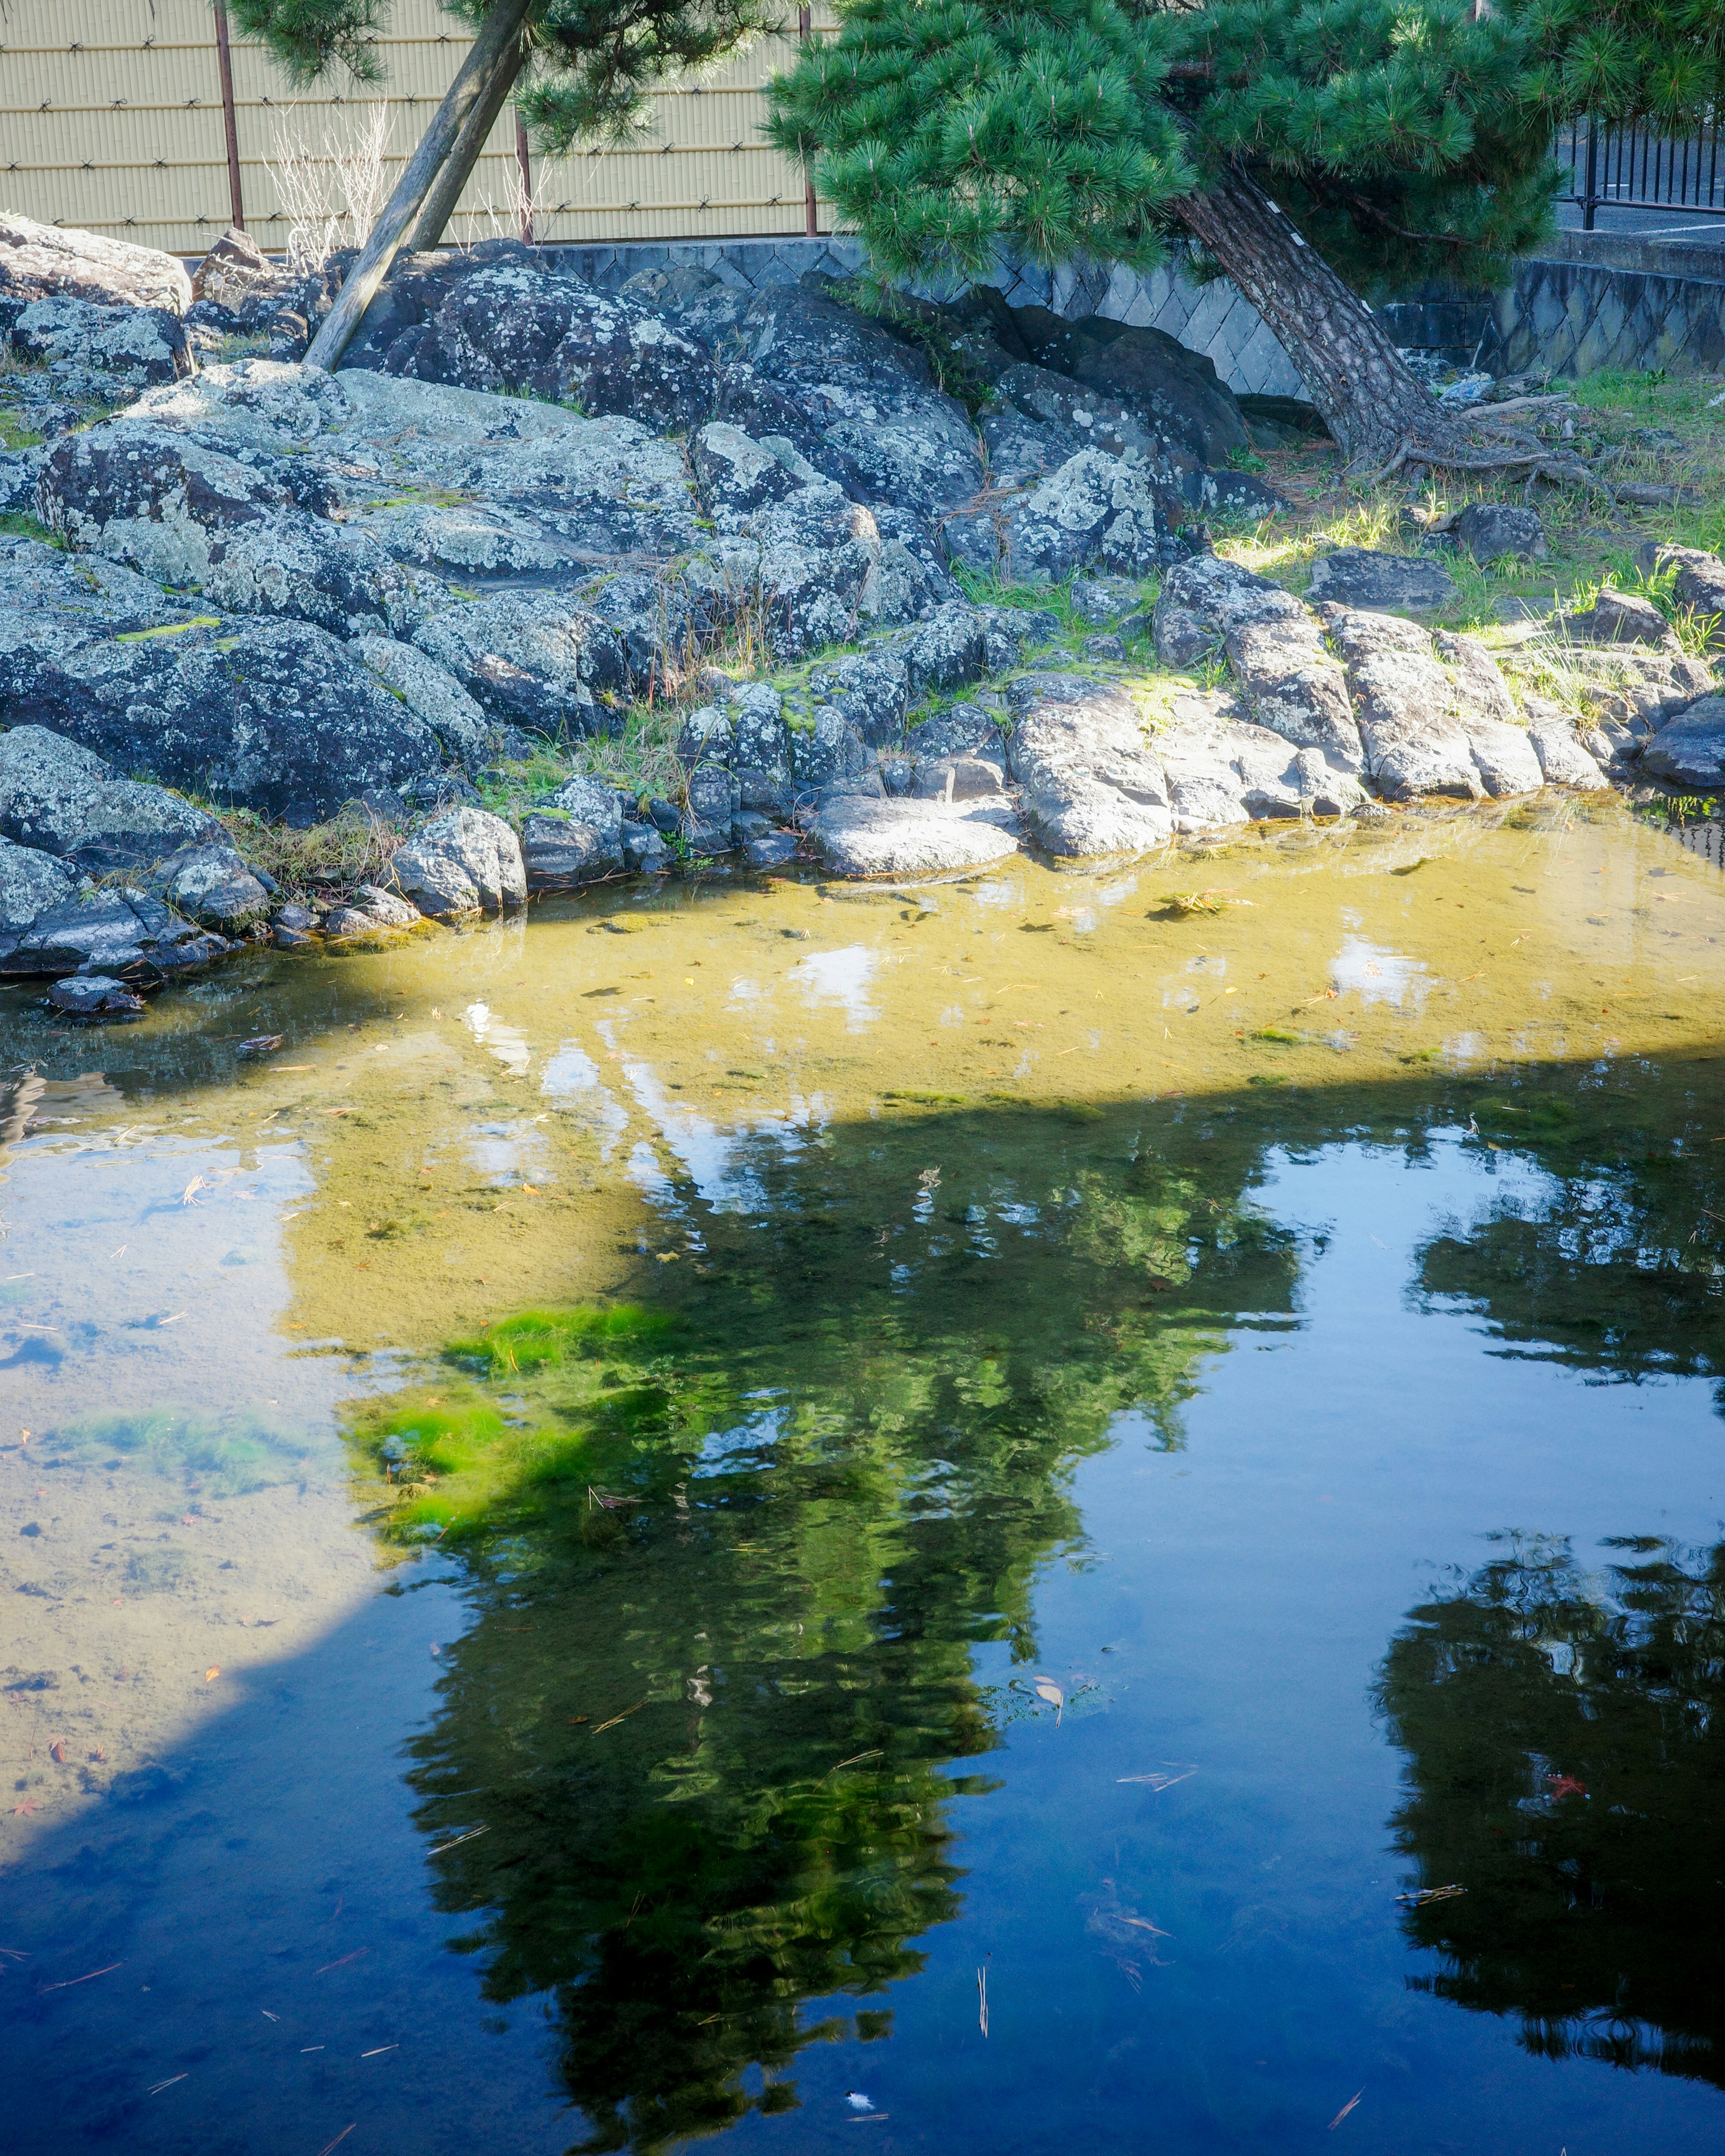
(293, 939)
(466, 860)
(1490, 530)
(1621, 618)
(96, 999)
(1104, 647)
(293, 916)
(774, 849)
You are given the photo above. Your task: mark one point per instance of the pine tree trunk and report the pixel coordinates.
(458, 169)
(498, 34)
(1374, 405)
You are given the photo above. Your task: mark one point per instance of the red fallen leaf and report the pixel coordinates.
(27, 1807)
(1565, 1785)
(57, 1751)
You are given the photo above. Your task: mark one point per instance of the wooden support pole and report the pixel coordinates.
(236, 198)
(457, 167)
(501, 31)
(811, 221)
(524, 166)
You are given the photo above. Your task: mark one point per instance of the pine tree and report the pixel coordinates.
(1313, 150)
(587, 66)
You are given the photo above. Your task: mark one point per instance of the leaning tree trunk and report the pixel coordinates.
(458, 166)
(1376, 407)
(498, 35)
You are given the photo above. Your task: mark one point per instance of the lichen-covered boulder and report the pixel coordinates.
(31, 881)
(1383, 583)
(1404, 701)
(432, 693)
(123, 932)
(1690, 749)
(538, 659)
(466, 860)
(1095, 512)
(213, 885)
(127, 822)
(1173, 392)
(512, 327)
(45, 783)
(133, 345)
(1289, 684)
(274, 716)
(41, 261)
(572, 836)
(1202, 598)
(858, 837)
(1492, 529)
(1697, 579)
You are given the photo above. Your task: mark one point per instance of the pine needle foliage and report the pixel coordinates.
(591, 62)
(1407, 138)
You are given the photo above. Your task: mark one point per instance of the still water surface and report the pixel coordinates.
(1154, 1440)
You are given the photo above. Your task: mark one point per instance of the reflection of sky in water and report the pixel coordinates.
(997, 894)
(507, 1043)
(509, 1152)
(572, 1080)
(839, 977)
(1379, 975)
(723, 1451)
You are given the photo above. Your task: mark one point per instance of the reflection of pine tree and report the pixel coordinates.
(842, 1490)
(1566, 1745)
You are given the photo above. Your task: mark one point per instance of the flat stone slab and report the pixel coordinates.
(858, 837)
(1691, 751)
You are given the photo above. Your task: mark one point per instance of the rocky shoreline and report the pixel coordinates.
(525, 509)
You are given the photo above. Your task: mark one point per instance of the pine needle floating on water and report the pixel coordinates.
(1345, 2108)
(981, 1993)
(1158, 1781)
(1421, 1895)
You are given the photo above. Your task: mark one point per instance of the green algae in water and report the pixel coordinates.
(207, 1455)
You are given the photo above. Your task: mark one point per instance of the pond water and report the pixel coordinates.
(1138, 1554)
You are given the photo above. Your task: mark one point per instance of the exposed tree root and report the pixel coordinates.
(1447, 450)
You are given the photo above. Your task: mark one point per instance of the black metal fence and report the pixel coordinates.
(1624, 168)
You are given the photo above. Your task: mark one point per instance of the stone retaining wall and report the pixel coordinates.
(1572, 316)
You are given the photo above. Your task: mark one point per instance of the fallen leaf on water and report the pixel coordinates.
(57, 1751)
(26, 1808)
(1565, 1785)
(213, 1672)
(191, 1189)
(1045, 1688)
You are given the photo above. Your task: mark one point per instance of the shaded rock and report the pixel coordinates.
(860, 838)
(134, 345)
(964, 778)
(773, 850)
(712, 798)
(278, 716)
(1175, 392)
(1699, 581)
(1095, 512)
(807, 568)
(124, 933)
(45, 783)
(214, 885)
(1021, 449)
(39, 261)
(1621, 618)
(237, 279)
(1562, 758)
(466, 860)
(1280, 423)
(124, 823)
(95, 999)
(1092, 419)
(1092, 784)
(386, 908)
(572, 836)
(643, 848)
(1389, 583)
(871, 688)
(510, 326)
(1203, 599)
(31, 882)
(1690, 751)
(957, 730)
(738, 475)
(825, 751)
(1490, 529)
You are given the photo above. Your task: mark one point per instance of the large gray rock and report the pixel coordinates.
(1481, 692)
(1290, 685)
(45, 784)
(1384, 583)
(1690, 751)
(274, 716)
(816, 568)
(573, 836)
(1621, 618)
(466, 860)
(1221, 771)
(1092, 783)
(535, 659)
(1203, 599)
(432, 693)
(127, 823)
(40, 261)
(35, 579)
(860, 838)
(1096, 512)
(30, 883)
(511, 326)
(121, 932)
(1405, 703)
(133, 345)
(249, 535)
